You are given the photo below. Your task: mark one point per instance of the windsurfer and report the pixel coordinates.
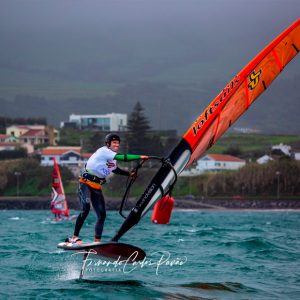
(100, 165)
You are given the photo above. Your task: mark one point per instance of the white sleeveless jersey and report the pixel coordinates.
(102, 162)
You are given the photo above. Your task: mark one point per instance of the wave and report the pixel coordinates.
(133, 283)
(233, 287)
(253, 243)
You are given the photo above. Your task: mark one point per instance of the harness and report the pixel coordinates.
(94, 178)
(93, 181)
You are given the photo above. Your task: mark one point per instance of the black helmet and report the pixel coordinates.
(111, 137)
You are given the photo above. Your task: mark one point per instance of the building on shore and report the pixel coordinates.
(34, 134)
(71, 157)
(214, 163)
(106, 122)
(219, 162)
(264, 159)
(279, 151)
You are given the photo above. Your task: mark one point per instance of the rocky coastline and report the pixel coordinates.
(40, 203)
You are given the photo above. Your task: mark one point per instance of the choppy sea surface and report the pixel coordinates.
(199, 255)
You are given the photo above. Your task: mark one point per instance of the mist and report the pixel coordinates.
(63, 50)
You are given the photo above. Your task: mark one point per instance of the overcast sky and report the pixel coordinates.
(49, 46)
(34, 30)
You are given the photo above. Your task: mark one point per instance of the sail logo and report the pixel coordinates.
(146, 194)
(222, 97)
(254, 79)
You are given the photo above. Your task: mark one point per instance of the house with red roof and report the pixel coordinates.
(34, 137)
(65, 156)
(219, 162)
(34, 134)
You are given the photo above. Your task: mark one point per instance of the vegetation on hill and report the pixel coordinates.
(252, 146)
(277, 178)
(12, 154)
(253, 180)
(27, 178)
(247, 146)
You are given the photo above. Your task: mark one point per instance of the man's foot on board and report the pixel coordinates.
(97, 240)
(74, 240)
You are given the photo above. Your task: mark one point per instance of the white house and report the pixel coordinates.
(219, 162)
(264, 159)
(281, 149)
(70, 157)
(63, 155)
(297, 155)
(107, 122)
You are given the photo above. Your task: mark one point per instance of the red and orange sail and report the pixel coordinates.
(219, 115)
(59, 205)
(242, 91)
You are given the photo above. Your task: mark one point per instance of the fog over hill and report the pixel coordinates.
(63, 57)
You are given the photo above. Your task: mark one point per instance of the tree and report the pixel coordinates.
(3, 178)
(234, 150)
(12, 154)
(137, 121)
(138, 126)
(95, 142)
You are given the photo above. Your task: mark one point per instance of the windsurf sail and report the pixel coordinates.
(59, 205)
(219, 115)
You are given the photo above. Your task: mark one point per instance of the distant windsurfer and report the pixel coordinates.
(100, 165)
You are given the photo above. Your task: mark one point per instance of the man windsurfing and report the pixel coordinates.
(100, 165)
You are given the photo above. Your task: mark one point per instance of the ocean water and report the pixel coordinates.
(200, 255)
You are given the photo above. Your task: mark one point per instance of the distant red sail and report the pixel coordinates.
(242, 90)
(59, 205)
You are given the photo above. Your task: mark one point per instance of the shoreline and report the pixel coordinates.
(43, 203)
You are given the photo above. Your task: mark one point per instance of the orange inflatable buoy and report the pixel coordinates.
(162, 210)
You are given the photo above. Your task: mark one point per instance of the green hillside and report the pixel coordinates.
(252, 145)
